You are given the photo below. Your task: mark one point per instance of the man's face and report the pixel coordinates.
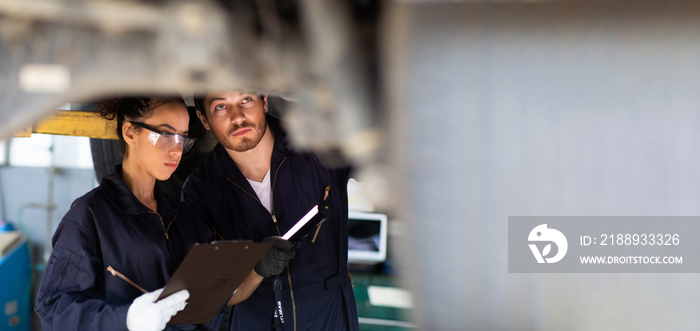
(236, 119)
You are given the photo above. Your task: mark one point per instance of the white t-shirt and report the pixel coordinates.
(263, 190)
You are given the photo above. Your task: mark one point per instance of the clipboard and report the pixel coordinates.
(211, 272)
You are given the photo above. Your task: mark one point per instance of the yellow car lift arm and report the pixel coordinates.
(74, 123)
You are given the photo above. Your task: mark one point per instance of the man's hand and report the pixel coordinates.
(276, 258)
(146, 315)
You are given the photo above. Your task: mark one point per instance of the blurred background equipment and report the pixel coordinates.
(456, 114)
(15, 280)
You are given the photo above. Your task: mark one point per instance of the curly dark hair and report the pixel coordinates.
(199, 104)
(134, 108)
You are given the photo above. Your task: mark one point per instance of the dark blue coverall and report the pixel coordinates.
(108, 226)
(316, 288)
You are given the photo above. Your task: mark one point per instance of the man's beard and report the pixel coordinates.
(247, 143)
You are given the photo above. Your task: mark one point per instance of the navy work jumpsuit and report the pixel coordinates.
(316, 288)
(108, 226)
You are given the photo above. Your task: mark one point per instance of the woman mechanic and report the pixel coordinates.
(127, 225)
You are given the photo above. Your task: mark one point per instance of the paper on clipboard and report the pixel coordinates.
(211, 272)
(317, 215)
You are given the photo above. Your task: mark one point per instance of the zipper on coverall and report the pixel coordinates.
(165, 229)
(274, 220)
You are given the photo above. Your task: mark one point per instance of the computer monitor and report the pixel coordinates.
(367, 236)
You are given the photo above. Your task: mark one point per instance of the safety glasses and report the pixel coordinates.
(167, 140)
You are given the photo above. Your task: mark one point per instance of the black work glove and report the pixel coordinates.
(276, 258)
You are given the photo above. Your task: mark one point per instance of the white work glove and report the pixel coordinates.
(146, 315)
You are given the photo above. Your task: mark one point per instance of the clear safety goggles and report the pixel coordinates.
(167, 140)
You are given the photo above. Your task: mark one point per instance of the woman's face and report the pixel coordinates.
(158, 154)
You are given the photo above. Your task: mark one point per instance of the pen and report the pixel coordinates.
(325, 196)
(118, 274)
